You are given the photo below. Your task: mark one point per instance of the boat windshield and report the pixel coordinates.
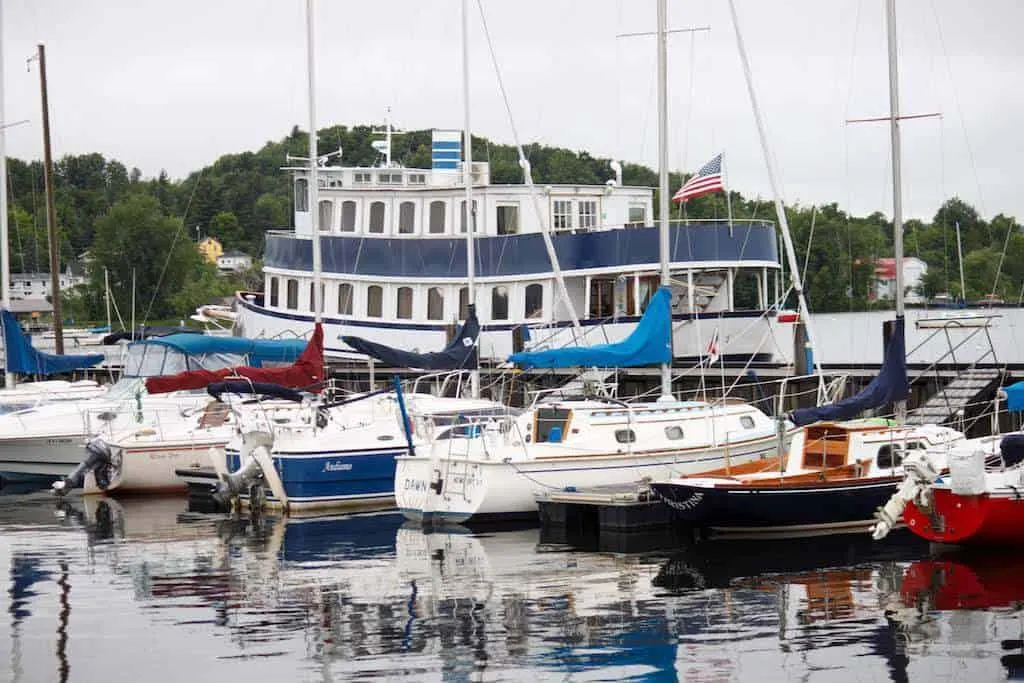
(154, 360)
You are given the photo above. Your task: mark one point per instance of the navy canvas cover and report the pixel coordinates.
(23, 358)
(460, 354)
(889, 386)
(649, 344)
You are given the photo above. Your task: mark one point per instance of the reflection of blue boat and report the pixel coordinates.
(320, 539)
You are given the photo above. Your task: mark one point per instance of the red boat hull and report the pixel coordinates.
(983, 519)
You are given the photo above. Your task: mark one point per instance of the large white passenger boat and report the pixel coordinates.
(394, 264)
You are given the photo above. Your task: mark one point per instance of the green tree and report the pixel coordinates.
(135, 238)
(226, 228)
(202, 286)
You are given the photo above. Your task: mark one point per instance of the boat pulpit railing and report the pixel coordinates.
(476, 435)
(443, 383)
(834, 390)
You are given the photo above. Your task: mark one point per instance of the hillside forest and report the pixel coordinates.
(145, 228)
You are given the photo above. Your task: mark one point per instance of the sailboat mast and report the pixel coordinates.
(897, 184)
(663, 189)
(780, 210)
(894, 134)
(5, 258)
(314, 215)
(51, 210)
(467, 178)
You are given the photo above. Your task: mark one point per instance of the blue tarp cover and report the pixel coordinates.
(259, 351)
(459, 354)
(23, 358)
(889, 386)
(649, 344)
(1015, 397)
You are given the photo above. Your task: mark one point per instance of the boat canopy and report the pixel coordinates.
(460, 354)
(889, 386)
(306, 371)
(21, 357)
(258, 351)
(649, 344)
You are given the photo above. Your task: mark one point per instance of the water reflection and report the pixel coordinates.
(101, 588)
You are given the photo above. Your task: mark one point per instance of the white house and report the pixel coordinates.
(233, 262)
(885, 278)
(37, 285)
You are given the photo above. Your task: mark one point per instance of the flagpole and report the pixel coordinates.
(728, 199)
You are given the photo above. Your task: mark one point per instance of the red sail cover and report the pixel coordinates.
(308, 369)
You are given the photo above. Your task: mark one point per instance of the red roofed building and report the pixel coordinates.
(885, 279)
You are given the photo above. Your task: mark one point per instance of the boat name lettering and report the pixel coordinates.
(415, 485)
(337, 466)
(688, 504)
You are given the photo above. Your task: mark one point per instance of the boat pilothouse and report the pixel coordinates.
(394, 262)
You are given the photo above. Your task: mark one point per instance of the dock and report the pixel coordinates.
(614, 508)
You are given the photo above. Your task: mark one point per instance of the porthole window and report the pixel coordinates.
(625, 436)
(747, 422)
(889, 456)
(674, 432)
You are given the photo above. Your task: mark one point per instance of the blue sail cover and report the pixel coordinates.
(23, 358)
(889, 386)
(460, 354)
(649, 344)
(1015, 397)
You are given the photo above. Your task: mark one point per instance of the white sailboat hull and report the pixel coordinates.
(475, 489)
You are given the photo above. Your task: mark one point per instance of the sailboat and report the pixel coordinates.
(836, 473)
(490, 469)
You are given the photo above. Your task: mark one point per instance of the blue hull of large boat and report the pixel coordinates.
(334, 477)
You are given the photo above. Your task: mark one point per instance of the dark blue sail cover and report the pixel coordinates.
(889, 386)
(649, 344)
(24, 359)
(460, 354)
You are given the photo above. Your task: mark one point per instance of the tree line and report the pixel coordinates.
(144, 229)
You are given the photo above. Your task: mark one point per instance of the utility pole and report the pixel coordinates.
(51, 211)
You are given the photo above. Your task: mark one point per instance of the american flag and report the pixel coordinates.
(708, 179)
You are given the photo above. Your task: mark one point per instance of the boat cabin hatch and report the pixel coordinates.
(826, 446)
(551, 425)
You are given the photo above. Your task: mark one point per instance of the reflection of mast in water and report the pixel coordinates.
(63, 667)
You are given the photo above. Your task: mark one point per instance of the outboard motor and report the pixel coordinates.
(233, 484)
(1011, 448)
(98, 460)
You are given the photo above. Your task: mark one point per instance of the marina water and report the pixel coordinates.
(105, 590)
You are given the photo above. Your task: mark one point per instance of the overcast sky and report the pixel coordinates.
(174, 85)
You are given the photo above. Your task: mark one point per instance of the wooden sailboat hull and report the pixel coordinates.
(836, 504)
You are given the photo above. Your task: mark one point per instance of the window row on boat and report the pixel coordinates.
(507, 214)
(512, 301)
(598, 297)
